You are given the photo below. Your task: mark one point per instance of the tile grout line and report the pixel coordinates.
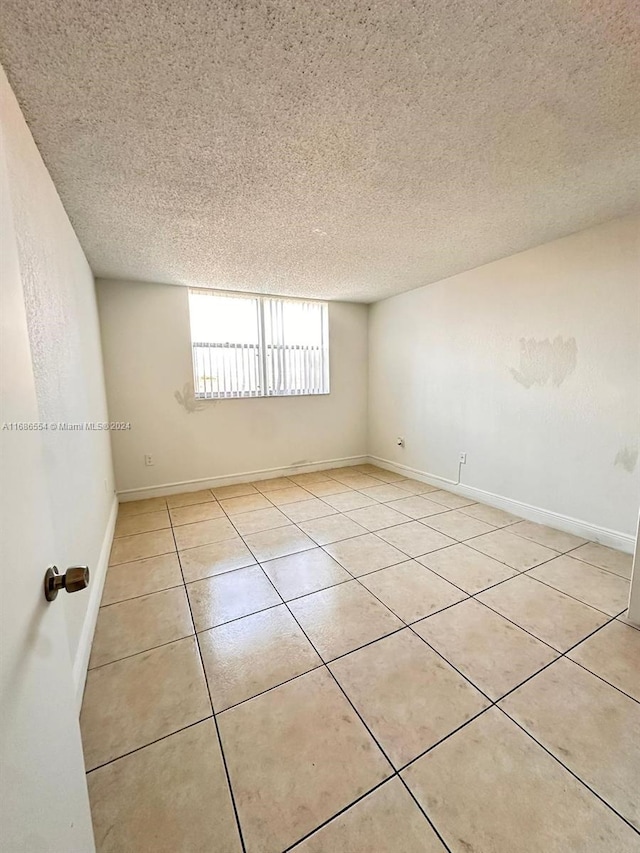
(420, 520)
(142, 594)
(215, 721)
(355, 710)
(409, 494)
(151, 743)
(404, 624)
(409, 559)
(568, 594)
(493, 703)
(569, 770)
(414, 559)
(337, 814)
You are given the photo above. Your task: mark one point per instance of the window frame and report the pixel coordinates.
(262, 347)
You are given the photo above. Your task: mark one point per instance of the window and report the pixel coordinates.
(258, 346)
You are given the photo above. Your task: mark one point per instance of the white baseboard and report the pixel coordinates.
(231, 479)
(96, 585)
(586, 530)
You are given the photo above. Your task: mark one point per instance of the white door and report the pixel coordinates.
(43, 792)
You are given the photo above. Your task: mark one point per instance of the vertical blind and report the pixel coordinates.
(258, 346)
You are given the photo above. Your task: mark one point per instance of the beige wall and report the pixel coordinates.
(531, 365)
(146, 340)
(64, 335)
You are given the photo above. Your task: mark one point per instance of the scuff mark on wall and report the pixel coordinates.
(544, 361)
(627, 458)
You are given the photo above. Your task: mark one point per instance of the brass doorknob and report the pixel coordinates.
(75, 578)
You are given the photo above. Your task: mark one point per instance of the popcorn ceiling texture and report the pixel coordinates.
(342, 150)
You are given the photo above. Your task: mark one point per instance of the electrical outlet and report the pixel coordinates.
(400, 441)
(148, 459)
(463, 458)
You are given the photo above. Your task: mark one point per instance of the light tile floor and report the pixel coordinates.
(353, 661)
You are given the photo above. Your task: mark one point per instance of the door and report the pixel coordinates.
(43, 793)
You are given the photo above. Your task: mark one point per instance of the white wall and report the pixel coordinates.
(147, 352)
(67, 362)
(531, 365)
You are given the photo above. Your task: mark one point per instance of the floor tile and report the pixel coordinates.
(278, 543)
(624, 618)
(512, 550)
(190, 498)
(591, 727)
(259, 520)
(309, 477)
(387, 476)
(489, 650)
(170, 796)
(415, 487)
(129, 548)
(507, 794)
(332, 528)
(417, 506)
(215, 559)
(466, 568)
(411, 591)
(406, 694)
(221, 598)
(449, 499)
(238, 490)
(245, 503)
(132, 702)
(458, 525)
(204, 533)
(605, 558)
(384, 492)
(415, 539)
(306, 510)
(272, 485)
(613, 653)
(322, 488)
(602, 590)
(142, 523)
(141, 577)
(355, 480)
(282, 751)
(196, 512)
(339, 470)
(253, 654)
(376, 517)
(368, 468)
(497, 517)
(548, 614)
(365, 554)
(385, 820)
(558, 540)
(346, 501)
(133, 626)
(128, 508)
(294, 494)
(342, 618)
(303, 573)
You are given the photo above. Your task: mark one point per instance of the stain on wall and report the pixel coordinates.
(544, 362)
(627, 458)
(187, 399)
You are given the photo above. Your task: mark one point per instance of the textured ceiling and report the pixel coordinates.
(343, 150)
